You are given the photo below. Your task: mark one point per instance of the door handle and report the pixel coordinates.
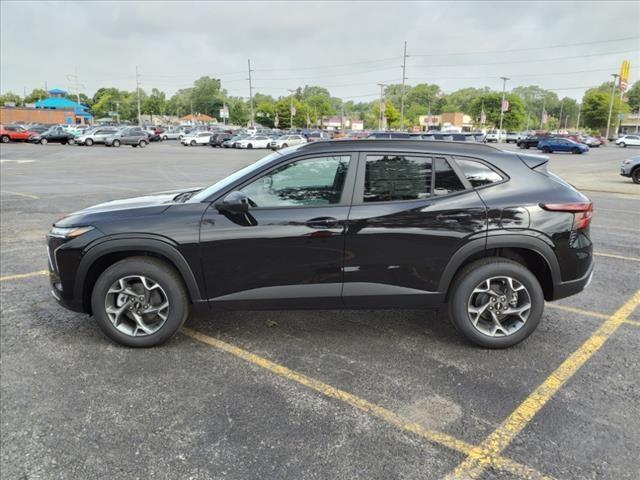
(455, 217)
(322, 222)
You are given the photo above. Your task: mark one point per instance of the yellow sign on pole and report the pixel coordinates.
(624, 75)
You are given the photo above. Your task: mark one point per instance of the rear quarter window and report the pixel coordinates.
(478, 174)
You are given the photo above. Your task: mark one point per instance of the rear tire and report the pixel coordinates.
(623, 145)
(546, 150)
(153, 270)
(115, 143)
(193, 143)
(464, 292)
(142, 143)
(44, 141)
(576, 151)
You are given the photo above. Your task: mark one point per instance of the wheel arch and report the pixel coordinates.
(532, 252)
(98, 258)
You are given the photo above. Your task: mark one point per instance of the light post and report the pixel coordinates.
(504, 86)
(613, 94)
(382, 85)
(291, 109)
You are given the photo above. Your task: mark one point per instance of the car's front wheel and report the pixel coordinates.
(43, 141)
(496, 302)
(140, 302)
(635, 175)
(88, 142)
(115, 143)
(5, 139)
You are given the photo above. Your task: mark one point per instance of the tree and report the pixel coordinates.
(461, 100)
(513, 119)
(155, 103)
(633, 97)
(535, 97)
(391, 113)
(595, 107)
(206, 96)
(35, 95)
(10, 97)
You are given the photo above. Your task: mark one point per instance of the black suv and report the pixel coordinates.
(336, 224)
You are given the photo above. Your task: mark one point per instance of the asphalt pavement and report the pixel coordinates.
(392, 394)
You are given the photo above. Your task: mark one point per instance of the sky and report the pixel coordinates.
(348, 47)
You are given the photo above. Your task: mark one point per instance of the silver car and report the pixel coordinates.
(631, 168)
(95, 135)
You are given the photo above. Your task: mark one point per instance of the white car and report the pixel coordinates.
(196, 138)
(258, 141)
(495, 136)
(631, 140)
(286, 141)
(514, 137)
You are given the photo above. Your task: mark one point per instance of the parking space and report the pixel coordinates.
(305, 395)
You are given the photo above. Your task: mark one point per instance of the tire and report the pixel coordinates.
(71, 141)
(180, 137)
(463, 293)
(43, 141)
(576, 151)
(193, 143)
(635, 175)
(171, 290)
(5, 139)
(623, 145)
(115, 143)
(284, 145)
(142, 143)
(250, 145)
(546, 150)
(135, 145)
(164, 138)
(526, 147)
(88, 142)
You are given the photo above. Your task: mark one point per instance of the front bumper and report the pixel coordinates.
(625, 171)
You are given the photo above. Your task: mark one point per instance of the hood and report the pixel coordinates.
(151, 204)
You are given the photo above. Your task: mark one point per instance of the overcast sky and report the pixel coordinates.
(347, 47)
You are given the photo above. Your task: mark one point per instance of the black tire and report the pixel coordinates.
(88, 142)
(284, 145)
(43, 141)
(142, 143)
(5, 139)
(546, 150)
(250, 146)
(635, 175)
(115, 143)
(576, 151)
(164, 138)
(623, 145)
(158, 271)
(193, 143)
(471, 276)
(526, 146)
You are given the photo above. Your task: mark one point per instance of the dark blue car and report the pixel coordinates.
(550, 145)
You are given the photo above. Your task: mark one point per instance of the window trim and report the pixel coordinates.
(347, 190)
(358, 190)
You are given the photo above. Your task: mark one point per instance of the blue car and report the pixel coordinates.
(550, 145)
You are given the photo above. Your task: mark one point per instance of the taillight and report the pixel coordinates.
(582, 212)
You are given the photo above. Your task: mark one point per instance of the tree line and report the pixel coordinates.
(311, 103)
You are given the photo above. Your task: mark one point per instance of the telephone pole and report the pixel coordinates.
(504, 86)
(250, 91)
(382, 85)
(138, 94)
(560, 118)
(613, 94)
(404, 77)
(578, 120)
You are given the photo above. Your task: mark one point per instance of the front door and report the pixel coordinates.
(287, 251)
(410, 214)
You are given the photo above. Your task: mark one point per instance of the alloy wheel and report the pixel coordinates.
(499, 306)
(137, 305)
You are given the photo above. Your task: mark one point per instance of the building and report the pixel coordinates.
(342, 123)
(57, 101)
(447, 121)
(9, 115)
(198, 118)
(630, 123)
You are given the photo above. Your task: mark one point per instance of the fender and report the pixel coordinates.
(527, 241)
(147, 243)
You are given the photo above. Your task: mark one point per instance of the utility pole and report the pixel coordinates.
(638, 121)
(578, 120)
(613, 94)
(560, 118)
(291, 109)
(504, 86)
(544, 99)
(404, 77)
(138, 94)
(250, 91)
(382, 85)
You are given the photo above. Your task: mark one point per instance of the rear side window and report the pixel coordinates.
(478, 173)
(446, 180)
(391, 178)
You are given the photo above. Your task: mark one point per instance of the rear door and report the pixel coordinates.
(410, 214)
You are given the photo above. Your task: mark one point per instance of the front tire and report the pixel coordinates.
(115, 143)
(5, 139)
(140, 302)
(142, 143)
(496, 302)
(635, 175)
(193, 143)
(88, 142)
(44, 141)
(623, 145)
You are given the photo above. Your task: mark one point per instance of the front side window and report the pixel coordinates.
(397, 177)
(308, 182)
(478, 173)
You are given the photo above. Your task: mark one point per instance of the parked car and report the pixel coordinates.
(631, 168)
(256, 141)
(229, 143)
(285, 141)
(153, 134)
(55, 134)
(37, 128)
(589, 141)
(173, 134)
(383, 135)
(219, 138)
(513, 137)
(555, 144)
(495, 136)
(413, 217)
(630, 140)
(196, 138)
(529, 142)
(318, 135)
(15, 133)
(97, 135)
(134, 136)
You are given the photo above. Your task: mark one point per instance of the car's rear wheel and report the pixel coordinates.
(250, 145)
(140, 302)
(116, 143)
(88, 142)
(284, 145)
(496, 302)
(546, 150)
(576, 151)
(635, 175)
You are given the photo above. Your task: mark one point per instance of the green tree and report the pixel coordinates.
(513, 119)
(10, 97)
(155, 103)
(266, 114)
(35, 95)
(535, 97)
(206, 96)
(633, 97)
(391, 113)
(461, 100)
(595, 107)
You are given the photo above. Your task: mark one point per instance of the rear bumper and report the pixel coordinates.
(571, 287)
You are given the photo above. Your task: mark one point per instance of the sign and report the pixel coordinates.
(505, 105)
(113, 114)
(293, 111)
(624, 75)
(224, 112)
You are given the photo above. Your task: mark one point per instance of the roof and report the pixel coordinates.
(58, 103)
(407, 144)
(199, 117)
(57, 91)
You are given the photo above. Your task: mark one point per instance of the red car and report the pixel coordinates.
(15, 133)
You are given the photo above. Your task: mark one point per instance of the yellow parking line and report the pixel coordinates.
(579, 311)
(24, 275)
(382, 413)
(27, 195)
(632, 322)
(482, 456)
(619, 257)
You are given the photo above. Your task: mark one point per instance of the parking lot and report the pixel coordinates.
(308, 395)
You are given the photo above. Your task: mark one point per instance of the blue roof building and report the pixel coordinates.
(58, 102)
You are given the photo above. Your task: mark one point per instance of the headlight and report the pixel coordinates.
(68, 233)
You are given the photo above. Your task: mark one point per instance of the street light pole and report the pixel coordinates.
(382, 85)
(578, 120)
(291, 110)
(613, 94)
(404, 77)
(504, 86)
(138, 94)
(250, 91)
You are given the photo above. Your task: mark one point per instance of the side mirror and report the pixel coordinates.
(235, 202)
